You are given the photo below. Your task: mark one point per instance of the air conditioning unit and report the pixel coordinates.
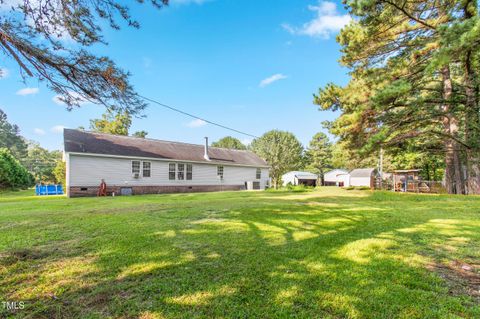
(136, 175)
(252, 185)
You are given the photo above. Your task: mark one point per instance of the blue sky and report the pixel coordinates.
(251, 65)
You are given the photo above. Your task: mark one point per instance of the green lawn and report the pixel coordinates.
(330, 253)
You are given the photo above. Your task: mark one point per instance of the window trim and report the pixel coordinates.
(139, 167)
(181, 171)
(189, 171)
(220, 171)
(149, 169)
(170, 165)
(258, 173)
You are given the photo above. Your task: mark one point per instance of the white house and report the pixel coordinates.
(300, 178)
(336, 177)
(363, 177)
(131, 165)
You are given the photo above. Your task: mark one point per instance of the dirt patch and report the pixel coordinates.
(463, 278)
(14, 256)
(53, 250)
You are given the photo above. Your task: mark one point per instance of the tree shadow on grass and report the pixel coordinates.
(297, 259)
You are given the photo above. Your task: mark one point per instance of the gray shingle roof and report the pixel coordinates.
(362, 172)
(78, 141)
(302, 174)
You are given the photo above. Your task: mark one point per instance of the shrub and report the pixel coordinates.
(362, 188)
(12, 173)
(299, 188)
(60, 171)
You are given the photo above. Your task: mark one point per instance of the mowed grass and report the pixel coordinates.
(328, 253)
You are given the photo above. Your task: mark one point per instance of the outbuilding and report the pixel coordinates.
(299, 178)
(363, 177)
(406, 180)
(343, 180)
(336, 177)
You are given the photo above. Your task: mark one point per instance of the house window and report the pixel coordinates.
(259, 173)
(135, 167)
(171, 171)
(146, 169)
(220, 171)
(189, 172)
(181, 172)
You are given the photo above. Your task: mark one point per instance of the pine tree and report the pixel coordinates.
(319, 154)
(33, 34)
(404, 84)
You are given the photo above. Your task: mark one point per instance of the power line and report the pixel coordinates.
(196, 117)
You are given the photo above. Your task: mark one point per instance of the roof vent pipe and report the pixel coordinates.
(205, 156)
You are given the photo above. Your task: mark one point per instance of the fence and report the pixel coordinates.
(413, 186)
(48, 190)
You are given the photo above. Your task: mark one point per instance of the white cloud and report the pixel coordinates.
(38, 131)
(57, 99)
(271, 79)
(27, 91)
(4, 73)
(57, 129)
(197, 123)
(246, 141)
(327, 21)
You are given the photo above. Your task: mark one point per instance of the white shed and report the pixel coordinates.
(335, 178)
(300, 178)
(363, 177)
(343, 180)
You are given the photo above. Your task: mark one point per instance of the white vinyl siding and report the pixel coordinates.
(88, 170)
(360, 181)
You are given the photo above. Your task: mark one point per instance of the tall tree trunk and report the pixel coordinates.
(472, 130)
(453, 170)
(277, 181)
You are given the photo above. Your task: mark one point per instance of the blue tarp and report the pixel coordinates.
(48, 190)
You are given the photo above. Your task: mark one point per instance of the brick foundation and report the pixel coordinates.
(88, 191)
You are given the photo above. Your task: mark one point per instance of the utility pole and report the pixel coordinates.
(380, 164)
